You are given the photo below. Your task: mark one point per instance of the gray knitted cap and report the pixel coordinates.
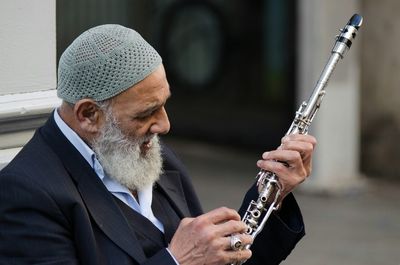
(103, 62)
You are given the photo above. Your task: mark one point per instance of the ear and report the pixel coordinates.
(89, 116)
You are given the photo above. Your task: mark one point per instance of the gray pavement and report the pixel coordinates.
(356, 228)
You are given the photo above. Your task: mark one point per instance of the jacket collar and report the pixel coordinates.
(170, 184)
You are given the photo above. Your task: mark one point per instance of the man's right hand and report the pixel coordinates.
(205, 239)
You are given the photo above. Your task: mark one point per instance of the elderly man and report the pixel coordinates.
(96, 186)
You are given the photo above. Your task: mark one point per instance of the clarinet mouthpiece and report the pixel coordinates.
(355, 21)
(347, 35)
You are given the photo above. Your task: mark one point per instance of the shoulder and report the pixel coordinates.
(37, 173)
(36, 157)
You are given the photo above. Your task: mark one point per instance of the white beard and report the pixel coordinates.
(123, 160)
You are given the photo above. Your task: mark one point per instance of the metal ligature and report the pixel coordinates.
(269, 188)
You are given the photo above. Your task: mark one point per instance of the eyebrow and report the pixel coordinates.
(148, 111)
(153, 107)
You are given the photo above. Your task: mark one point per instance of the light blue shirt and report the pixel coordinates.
(121, 192)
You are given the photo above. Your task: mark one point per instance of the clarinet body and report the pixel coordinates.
(269, 188)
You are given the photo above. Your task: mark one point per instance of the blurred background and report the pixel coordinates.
(230, 64)
(238, 71)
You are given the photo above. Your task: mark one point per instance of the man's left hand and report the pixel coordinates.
(291, 161)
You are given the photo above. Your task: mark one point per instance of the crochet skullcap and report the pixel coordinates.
(103, 62)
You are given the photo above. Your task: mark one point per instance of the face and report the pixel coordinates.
(127, 143)
(140, 110)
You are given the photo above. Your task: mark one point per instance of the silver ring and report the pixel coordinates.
(236, 243)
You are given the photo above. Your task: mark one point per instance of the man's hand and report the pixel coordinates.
(291, 162)
(205, 240)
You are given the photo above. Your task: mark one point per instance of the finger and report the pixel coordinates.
(279, 168)
(238, 256)
(246, 240)
(304, 148)
(290, 157)
(290, 170)
(230, 227)
(220, 215)
(301, 138)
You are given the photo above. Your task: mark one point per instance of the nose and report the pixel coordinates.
(161, 124)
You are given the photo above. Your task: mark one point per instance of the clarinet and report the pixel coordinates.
(269, 188)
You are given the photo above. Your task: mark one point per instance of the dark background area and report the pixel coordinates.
(230, 64)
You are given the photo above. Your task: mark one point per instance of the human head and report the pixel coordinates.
(103, 62)
(112, 81)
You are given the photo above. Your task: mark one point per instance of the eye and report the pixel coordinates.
(141, 117)
(145, 115)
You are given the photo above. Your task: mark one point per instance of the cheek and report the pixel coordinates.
(135, 129)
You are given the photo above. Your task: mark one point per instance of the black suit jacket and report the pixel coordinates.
(54, 209)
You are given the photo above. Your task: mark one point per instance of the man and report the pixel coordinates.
(95, 185)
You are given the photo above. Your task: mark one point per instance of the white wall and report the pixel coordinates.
(27, 70)
(28, 45)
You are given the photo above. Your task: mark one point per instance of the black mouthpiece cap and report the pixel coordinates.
(355, 21)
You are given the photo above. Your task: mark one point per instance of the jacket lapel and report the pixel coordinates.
(109, 217)
(98, 199)
(170, 184)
